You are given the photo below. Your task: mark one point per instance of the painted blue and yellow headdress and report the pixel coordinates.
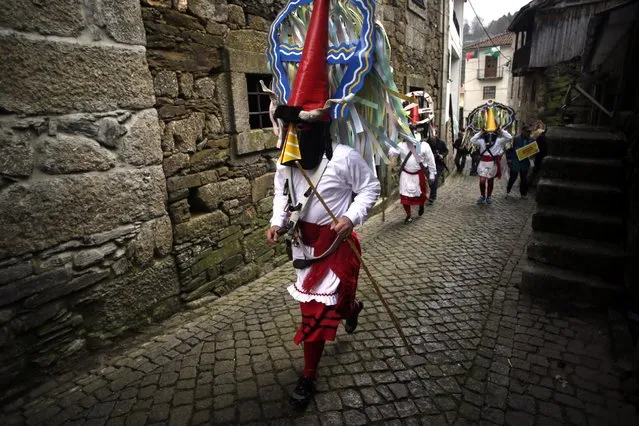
(363, 103)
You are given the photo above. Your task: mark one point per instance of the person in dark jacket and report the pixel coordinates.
(460, 153)
(518, 167)
(474, 161)
(440, 151)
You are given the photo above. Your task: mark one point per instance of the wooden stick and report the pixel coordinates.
(359, 257)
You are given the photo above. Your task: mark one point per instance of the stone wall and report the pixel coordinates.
(219, 172)
(131, 183)
(417, 44)
(86, 236)
(542, 94)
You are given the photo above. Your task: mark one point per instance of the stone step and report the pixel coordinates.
(588, 142)
(605, 261)
(580, 195)
(580, 224)
(561, 284)
(594, 170)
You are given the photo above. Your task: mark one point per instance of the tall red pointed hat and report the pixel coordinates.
(307, 143)
(310, 89)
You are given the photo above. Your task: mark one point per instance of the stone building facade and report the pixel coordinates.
(135, 167)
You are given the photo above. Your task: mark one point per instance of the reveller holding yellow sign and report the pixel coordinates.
(517, 166)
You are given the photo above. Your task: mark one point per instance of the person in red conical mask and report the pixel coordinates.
(327, 268)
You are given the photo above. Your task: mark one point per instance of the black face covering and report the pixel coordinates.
(315, 141)
(490, 139)
(314, 138)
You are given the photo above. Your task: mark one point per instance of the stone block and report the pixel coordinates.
(216, 257)
(109, 132)
(176, 184)
(262, 186)
(187, 132)
(55, 210)
(21, 289)
(265, 206)
(180, 211)
(76, 284)
(165, 4)
(209, 224)
(203, 289)
(217, 28)
(254, 141)
(247, 62)
(16, 153)
(61, 17)
(255, 245)
(110, 235)
(210, 196)
(155, 239)
(15, 272)
(133, 299)
(243, 276)
(121, 20)
(205, 88)
(38, 77)
(232, 97)
(191, 57)
(236, 16)
(72, 154)
(166, 84)
(209, 10)
(258, 23)
(91, 256)
(207, 158)
(141, 146)
(185, 81)
(247, 41)
(214, 127)
(175, 163)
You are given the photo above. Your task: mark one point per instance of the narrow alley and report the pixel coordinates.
(483, 352)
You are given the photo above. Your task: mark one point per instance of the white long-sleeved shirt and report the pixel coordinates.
(426, 157)
(498, 147)
(345, 174)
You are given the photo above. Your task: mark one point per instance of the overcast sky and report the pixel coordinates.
(490, 10)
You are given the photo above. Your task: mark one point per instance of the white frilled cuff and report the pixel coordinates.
(325, 292)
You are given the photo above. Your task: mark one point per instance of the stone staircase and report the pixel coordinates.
(577, 245)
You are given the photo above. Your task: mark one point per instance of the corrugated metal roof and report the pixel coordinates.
(503, 39)
(558, 28)
(559, 35)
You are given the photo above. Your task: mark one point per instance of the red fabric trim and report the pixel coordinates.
(316, 324)
(342, 262)
(496, 160)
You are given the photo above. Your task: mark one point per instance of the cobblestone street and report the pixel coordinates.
(483, 352)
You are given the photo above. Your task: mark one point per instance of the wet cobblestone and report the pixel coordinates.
(482, 352)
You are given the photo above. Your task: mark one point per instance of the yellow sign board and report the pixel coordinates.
(527, 151)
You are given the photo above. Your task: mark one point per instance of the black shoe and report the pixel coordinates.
(431, 201)
(421, 210)
(302, 393)
(408, 220)
(351, 323)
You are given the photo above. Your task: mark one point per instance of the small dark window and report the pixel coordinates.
(259, 101)
(489, 92)
(421, 3)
